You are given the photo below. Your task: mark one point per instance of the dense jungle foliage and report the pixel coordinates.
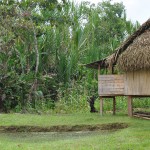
(43, 46)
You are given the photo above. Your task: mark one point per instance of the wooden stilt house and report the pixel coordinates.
(132, 59)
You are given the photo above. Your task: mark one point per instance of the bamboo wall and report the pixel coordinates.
(110, 85)
(137, 83)
(132, 83)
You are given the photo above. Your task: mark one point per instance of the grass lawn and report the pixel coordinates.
(135, 137)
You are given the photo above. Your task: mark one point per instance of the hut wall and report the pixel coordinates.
(110, 85)
(137, 83)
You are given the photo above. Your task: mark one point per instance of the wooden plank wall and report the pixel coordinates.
(137, 83)
(110, 85)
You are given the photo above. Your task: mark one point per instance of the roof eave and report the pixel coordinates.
(95, 65)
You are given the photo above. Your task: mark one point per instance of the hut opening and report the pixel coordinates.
(132, 59)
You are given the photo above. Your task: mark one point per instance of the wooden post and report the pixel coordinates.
(99, 69)
(130, 110)
(101, 105)
(112, 69)
(101, 98)
(114, 105)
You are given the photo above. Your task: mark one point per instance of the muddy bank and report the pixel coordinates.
(64, 128)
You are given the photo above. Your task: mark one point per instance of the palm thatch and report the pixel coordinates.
(137, 55)
(145, 26)
(124, 64)
(133, 54)
(103, 63)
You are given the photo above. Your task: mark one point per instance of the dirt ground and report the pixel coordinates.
(64, 128)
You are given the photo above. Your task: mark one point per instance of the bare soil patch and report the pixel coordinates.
(63, 128)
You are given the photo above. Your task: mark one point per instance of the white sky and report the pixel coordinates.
(137, 10)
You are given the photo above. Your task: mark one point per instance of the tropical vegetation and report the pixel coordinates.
(43, 46)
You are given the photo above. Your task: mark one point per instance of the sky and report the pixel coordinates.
(137, 10)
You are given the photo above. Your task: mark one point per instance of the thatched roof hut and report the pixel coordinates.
(133, 54)
(132, 57)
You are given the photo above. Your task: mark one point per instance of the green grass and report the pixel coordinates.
(58, 119)
(135, 137)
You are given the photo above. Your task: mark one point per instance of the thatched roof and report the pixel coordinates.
(122, 56)
(103, 63)
(137, 54)
(95, 64)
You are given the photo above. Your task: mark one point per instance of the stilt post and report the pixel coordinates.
(101, 98)
(101, 105)
(114, 105)
(130, 109)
